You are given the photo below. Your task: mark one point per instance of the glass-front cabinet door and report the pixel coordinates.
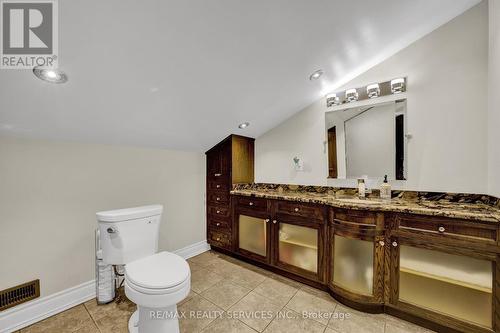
(298, 247)
(253, 235)
(445, 283)
(357, 257)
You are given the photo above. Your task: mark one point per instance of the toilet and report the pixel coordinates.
(155, 281)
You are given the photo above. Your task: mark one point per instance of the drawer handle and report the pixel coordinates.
(218, 212)
(217, 174)
(381, 243)
(394, 244)
(250, 203)
(218, 186)
(266, 220)
(218, 239)
(274, 221)
(296, 209)
(218, 224)
(441, 229)
(218, 199)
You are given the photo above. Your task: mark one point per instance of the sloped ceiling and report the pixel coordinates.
(183, 74)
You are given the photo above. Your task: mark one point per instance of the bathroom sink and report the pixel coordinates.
(361, 201)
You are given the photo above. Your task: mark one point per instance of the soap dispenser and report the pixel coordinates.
(385, 190)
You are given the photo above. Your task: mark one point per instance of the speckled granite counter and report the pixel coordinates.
(463, 206)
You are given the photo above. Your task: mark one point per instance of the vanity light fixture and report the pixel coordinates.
(351, 95)
(316, 75)
(332, 99)
(373, 90)
(52, 75)
(244, 125)
(398, 85)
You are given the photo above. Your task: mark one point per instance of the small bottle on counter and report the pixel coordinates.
(385, 189)
(361, 188)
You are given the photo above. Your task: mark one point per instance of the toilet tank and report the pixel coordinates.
(129, 234)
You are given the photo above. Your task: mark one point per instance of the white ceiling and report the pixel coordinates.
(183, 74)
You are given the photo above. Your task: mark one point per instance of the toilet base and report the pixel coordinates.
(150, 320)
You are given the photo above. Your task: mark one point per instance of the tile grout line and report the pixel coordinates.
(91, 317)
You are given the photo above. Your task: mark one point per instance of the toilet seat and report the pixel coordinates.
(160, 280)
(160, 273)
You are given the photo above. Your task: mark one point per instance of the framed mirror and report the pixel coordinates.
(368, 141)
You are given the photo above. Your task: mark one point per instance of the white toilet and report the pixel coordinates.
(156, 282)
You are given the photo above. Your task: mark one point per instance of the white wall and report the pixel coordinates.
(447, 103)
(50, 192)
(494, 99)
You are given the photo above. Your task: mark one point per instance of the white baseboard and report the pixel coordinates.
(31, 312)
(28, 313)
(193, 249)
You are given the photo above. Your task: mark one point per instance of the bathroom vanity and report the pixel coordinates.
(430, 258)
(436, 266)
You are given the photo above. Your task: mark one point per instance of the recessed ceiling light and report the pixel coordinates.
(244, 125)
(51, 75)
(316, 75)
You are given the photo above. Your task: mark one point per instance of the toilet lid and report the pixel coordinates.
(159, 271)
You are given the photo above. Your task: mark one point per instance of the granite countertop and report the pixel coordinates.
(457, 205)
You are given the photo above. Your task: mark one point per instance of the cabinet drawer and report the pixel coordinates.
(252, 203)
(442, 226)
(218, 198)
(219, 211)
(219, 238)
(219, 223)
(356, 216)
(300, 209)
(218, 185)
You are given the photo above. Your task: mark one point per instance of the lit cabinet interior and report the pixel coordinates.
(353, 265)
(452, 285)
(298, 246)
(252, 234)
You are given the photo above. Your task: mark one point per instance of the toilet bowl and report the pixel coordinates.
(156, 284)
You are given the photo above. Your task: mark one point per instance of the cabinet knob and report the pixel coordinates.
(218, 199)
(218, 186)
(218, 224)
(218, 212)
(381, 243)
(217, 174)
(395, 244)
(296, 209)
(266, 220)
(250, 203)
(274, 221)
(218, 239)
(441, 229)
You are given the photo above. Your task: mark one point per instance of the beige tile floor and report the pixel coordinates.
(232, 297)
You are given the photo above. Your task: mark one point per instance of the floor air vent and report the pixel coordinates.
(19, 294)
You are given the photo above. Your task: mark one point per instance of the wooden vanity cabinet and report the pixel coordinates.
(443, 272)
(298, 238)
(286, 235)
(356, 241)
(230, 162)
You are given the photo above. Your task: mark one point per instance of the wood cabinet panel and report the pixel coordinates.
(219, 212)
(309, 211)
(218, 197)
(255, 204)
(472, 231)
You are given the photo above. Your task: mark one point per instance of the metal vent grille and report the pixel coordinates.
(19, 294)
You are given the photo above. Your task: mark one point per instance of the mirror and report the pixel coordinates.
(368, 141)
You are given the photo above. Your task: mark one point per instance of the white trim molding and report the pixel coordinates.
(193, 249)
(31, 312)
